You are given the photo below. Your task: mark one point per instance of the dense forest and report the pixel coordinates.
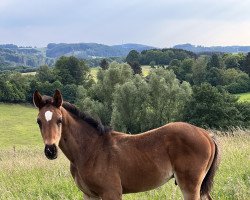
(91, 50)
(181, 86)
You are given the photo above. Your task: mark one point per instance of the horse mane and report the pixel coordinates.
(97, 124)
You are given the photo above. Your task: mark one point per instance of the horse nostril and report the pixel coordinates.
(50, 151)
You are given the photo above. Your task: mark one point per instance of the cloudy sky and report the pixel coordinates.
(160, 23)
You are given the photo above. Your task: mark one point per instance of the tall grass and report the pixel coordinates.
(26, 174)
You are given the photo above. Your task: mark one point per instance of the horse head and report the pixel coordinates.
(50, 121)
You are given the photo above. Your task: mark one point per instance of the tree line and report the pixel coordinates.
(131, 102)
(229, 71)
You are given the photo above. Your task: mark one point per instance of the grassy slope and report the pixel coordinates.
(18, 126)
(27, 174)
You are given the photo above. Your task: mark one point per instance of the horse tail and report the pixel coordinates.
(207, 183)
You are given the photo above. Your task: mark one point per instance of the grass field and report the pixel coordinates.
(25, 173)
(29, 73)
(245, 97)
(18, 126)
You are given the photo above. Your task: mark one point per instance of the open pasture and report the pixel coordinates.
(25, 173)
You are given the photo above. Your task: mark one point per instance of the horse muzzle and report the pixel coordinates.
(51, 151)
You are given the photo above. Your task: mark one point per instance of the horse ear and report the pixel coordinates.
(37, 99)
(57, 99)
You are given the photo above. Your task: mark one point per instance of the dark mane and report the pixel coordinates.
(90, 120)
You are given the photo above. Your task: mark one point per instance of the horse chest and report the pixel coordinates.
(82, 185)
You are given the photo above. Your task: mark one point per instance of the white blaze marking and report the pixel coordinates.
(48, 115)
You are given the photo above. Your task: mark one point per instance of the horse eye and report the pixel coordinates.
(39, 122)
(59, 121)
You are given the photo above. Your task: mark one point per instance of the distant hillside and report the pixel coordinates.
(12, 56)
(225, 49)
(92, 50)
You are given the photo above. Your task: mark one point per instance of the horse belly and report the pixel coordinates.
(147, 180)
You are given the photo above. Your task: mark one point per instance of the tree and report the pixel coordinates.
(133, 56)
(175, 62)
(199, 71)
(167, 97)
(152, 64)
(246, 65)
(14, 87)
(215, 61)
(45, 87)
(210, 107)
(185, 72)
(70, 92)
(164, 56)
(133, 59)
(140, 105)
(231, 61)
(235, 81)
(130, 106)
(104, 64)
(44, 73)
(214, 76)
(100, 95)
(244, 109)
(70, 70)
(135, 66)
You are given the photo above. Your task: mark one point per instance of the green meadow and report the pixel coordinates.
(25, 173)
(18, 126)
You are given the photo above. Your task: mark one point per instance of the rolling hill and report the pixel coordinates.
(92, 50)
(12, 56)
(223, 49)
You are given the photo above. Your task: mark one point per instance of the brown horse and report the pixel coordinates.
(106, 164)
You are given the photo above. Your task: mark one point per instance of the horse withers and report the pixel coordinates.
(106, 164)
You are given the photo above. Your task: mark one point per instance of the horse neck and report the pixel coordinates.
(78, 139)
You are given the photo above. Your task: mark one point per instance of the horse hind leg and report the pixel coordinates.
(191, 194)
(207, 197)
(190, 187)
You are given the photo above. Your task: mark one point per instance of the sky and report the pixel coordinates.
(158, 23)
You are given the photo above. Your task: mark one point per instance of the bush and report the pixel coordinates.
(210, 107)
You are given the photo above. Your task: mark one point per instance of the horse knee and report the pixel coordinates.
(86, 197)
(195, 195)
